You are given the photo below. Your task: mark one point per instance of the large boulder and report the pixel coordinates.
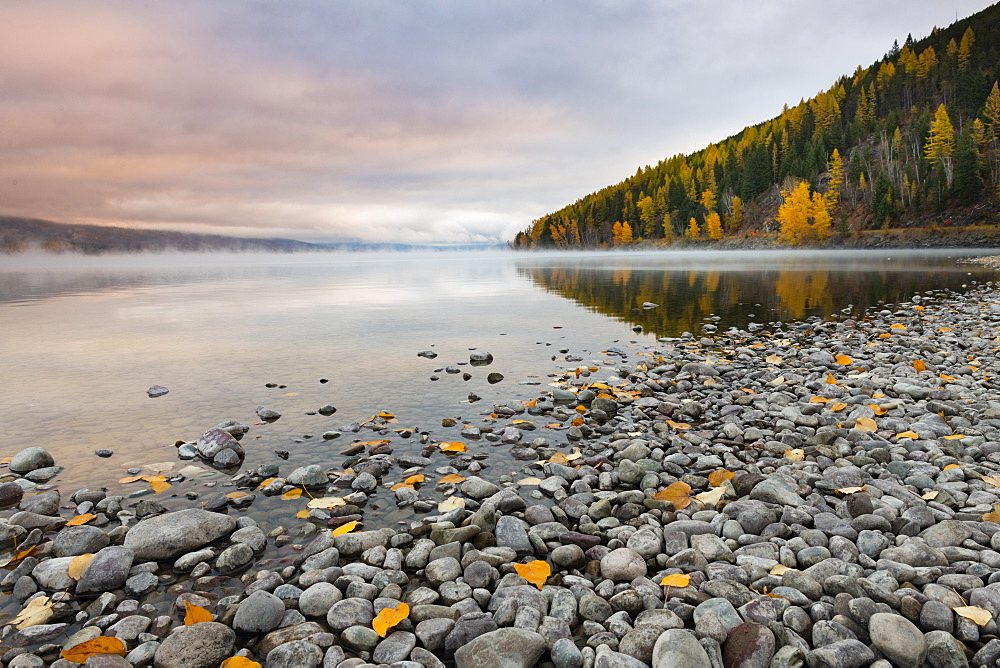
(173, 534)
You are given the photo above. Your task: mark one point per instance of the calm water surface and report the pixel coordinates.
(82, 339)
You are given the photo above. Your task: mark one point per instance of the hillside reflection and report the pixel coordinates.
(741, 289)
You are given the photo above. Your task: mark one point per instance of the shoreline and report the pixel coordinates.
(871, 573)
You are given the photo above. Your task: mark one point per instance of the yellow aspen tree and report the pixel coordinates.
(626, 232)
(793, 214)
(693, 231)
(820, 218)
(836, 179)
(940, 146)
(713, 225)
(735, 213)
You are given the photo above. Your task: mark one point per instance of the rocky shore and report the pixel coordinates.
(820, 493)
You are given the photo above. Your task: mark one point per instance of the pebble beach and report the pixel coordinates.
(814, 493)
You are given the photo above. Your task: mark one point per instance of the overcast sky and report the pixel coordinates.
(410, 120)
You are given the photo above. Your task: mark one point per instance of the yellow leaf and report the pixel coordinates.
(850, 490)
(865, 424)
(265, 484)
(719, 476)
(239, 662)
(195, 614)
(992, 479)
(389, 617)
(535, 572)
(712, 496)
(81, 519)
(778, 569)
(677, 493)
(345, 528)
(820, 400)
(897, 325)
(154, 478)
(774, 359)
(450, 504)
(559, 458)
(795, 455)
(386, 415)
(451, 477)
(79, 564)
(838, 406)
(576, 422)
(993, 515)
(414, 479)
(455, 446)
(954, 437)
(830, 380)
(236, 495)
(302, 514)
(290, 394)
(100, 645)
(979, 616)
(326, 502)
(944, 329)
(292, 494)
(878, 395)
(401, 485)
(950, 466)
(676, 580)
(908, 434)
(580, 409)
(159, 486)
(929, 496)
(38, 611)
(843, 360)
(530, 404)
(131, 478)
(878, 410)
(919, 365)
(678, 425)
(529, 481)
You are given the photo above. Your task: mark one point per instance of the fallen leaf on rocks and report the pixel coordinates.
(559, 458)
(13, 559)
(774, 359)
(908, 434)
(992, 479)
(838, 406)
(414, 479)
(265, 484)
(795, 455)
(919, 365)
(536, 572)
(236, 495)
(944, 329)
(81, 519)
(401, 485)
(347, 527)
(897, 325)
(327, 502)
(38, 611)
(865, 424)
(450, 504)
(819, 400)
(850, 490)
(843, 360)
(719, 476)
(239, 662)
(389, 617)
(292, 494)
(929, 496)
(529, 481)
(979, 616)
(451, 477)
(780, 380)
(830, 380)
(676, 580)
(78, 565)
(993, 515)
(195, 614)
(954, 437)
(100, 645)
(778, 569)
(677, 493)
(878, 410)
(576, 422)
(678, 425)
(455, 446)
(386, 415)
(951, 466)
(712, 496)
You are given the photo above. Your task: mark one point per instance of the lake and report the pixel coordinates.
(83, 338)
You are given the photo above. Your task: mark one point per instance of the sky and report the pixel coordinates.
(430, 121)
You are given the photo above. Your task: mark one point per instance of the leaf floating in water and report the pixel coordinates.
(345, 528)
(292, 494)
(455, 446)
(975, 614)
(535, 572)
(81, 519)
(451, 477)
(100, 645)
(195, 614)
(678, 493)
(302, 514)
(78, 565)
(159, 486)
(236, 495)
(389, 617)
(38, 611)
(327, 502)
(131, 478)
(676, 580)
(450, 504)
(795, 455)
(414, 479)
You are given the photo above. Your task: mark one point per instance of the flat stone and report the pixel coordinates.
(897, 638)
(107, 571)
(678, 647)
(170, 535)
(258, 613)
(203, 645)
(503, 648)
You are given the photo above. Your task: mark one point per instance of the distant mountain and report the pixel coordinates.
(365, 246)
(21, 234)
(912, 141)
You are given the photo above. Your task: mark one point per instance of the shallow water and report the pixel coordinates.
(83, 338)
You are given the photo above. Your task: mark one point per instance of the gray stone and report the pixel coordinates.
(74, 541)
(203, 645)
(777, 490)
(108, 570)
(317, 600)
(623, 565)
(944, 650)
(677, 647)
(396, 647)
(258, 613)
(842, 654)
(359, 638)
(30, 459)
(53, 574)
(439, 571)
(295, 654)
(170, 535)
(565, 654)
(503, 648)
(511, 533)
(897, 638)
(308, 476)
(350, 612)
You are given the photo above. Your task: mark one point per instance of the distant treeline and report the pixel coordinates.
(22, 234)
(895, 144)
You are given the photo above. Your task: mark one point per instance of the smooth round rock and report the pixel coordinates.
(258, 613)
(898, 638)
(623, 565)
(203, 645)
(30, 459)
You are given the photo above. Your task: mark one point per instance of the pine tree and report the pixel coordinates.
(968, 184)
(940, 146)
(713, 226)
(991, 112)
(965, 48)
(836, 179)
(647, 214)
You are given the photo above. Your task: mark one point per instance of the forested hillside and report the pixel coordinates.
(911, 141)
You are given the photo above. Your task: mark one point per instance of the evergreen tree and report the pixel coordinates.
(968, 185)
